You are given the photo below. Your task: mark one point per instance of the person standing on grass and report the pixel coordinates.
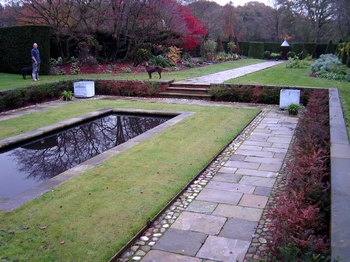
(34, 53)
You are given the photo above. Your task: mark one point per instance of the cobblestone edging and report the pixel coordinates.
(155, 231)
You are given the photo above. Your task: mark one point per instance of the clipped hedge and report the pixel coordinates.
(256, 49)
(253, 93)
(26, 96)
(297, 48)
(244, 47)
(127, 88)
(309, 49)
(20, 97)
(273, 47)
(16, 43)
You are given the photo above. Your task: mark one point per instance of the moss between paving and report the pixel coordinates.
(93, 215)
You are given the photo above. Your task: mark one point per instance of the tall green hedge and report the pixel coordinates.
(16, 43)
(309, 49)
(256, 49)
(244, 47)
(297, 48)
(322, 48)
(273, 47)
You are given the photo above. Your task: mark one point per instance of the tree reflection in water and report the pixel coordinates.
(55, 154)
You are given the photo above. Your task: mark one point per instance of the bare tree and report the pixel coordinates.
(311, 16)
(210, 15)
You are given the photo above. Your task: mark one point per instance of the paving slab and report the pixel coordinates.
(272, 167)
(251, 148)
(268, 159)
(204, 207)
(220, 196)
(279, 139)
(228, 169)
(161, 256)
(207, 224)
(239, 229)
(256, 143)
(239, 212)
(257, 181)
(260, 173)
(256, 201)
(227, 177)
(263, 191)
(246, 152)
(230, 187)
(236, 157)
(241, 164)
(224, 249)
(181, 242)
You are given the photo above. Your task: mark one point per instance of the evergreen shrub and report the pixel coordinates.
(297, 48)
(20, 97)
(273, 47)
(325, 63)
(309, 49)
(256, 49)
(244, 47)
(16, 43)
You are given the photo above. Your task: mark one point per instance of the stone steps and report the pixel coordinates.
(187, 91)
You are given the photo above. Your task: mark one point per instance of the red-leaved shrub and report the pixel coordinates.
(300, 212)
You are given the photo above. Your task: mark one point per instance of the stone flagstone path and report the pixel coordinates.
(217, 217)
(220, 77)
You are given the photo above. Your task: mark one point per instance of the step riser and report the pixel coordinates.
(186, 91)
(190, 86)
(185, 97)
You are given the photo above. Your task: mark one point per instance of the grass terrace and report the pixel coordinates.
(90, 217)
(15, 80)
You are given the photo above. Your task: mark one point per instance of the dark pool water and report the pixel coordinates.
(36, 161)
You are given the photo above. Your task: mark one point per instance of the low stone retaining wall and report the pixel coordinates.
(340, 180)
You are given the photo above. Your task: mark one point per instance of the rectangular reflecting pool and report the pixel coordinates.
(29, 163)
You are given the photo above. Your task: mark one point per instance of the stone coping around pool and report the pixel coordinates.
(340, 179)
(34, 192)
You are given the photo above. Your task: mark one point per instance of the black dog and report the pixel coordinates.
(27, 71)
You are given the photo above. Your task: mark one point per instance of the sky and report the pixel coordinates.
(242, 2)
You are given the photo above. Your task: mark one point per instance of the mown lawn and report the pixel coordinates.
(280, 75)
(90, 217)
(15, 80)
